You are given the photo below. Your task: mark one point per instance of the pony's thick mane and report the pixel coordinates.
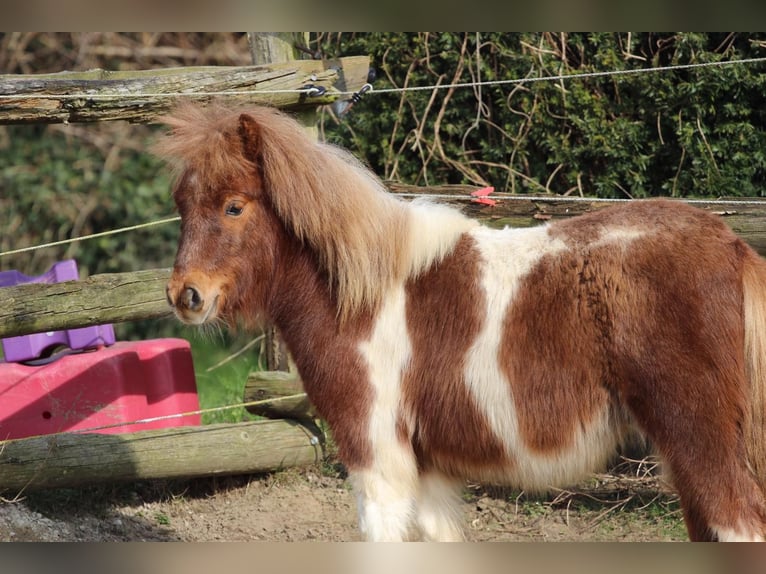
(204, 140)
(329, 200)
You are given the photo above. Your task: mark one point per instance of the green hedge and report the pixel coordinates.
(693, 132)
(54, 186)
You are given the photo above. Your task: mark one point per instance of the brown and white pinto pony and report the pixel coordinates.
(438, 349)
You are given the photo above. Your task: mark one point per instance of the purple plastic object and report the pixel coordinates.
(28, 347)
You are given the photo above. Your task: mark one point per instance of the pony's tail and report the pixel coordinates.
(754, 291)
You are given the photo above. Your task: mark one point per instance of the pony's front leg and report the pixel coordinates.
(386, 486)
(438, 514)
(386, 500)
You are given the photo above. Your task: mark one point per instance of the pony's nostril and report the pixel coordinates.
(192, 300)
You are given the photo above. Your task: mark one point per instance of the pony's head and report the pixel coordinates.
(226, 248)
(248, 181)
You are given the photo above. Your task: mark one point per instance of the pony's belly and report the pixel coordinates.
(543, 472)
(589, 450)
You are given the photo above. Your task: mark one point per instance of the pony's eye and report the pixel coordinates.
(234, 209)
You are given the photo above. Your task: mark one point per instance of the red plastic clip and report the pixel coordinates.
(480, 196)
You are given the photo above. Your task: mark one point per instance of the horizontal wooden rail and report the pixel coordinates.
(99, 299)
(140, 96)
(76, 459)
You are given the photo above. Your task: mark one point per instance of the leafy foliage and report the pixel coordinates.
(689, 132)
(57, 187)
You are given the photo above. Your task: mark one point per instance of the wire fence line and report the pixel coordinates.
(579, 76)
(475, 84)
(90, 236)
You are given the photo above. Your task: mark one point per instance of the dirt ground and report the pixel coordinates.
(317, 504)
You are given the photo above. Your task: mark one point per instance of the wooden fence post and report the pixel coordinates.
(271, 48)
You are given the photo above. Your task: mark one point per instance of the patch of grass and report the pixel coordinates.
(666, 514)
(162, 518)
(221, 377)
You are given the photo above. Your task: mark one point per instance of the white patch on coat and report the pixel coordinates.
(621, 236)
(386, 490)
(434, 231)
(738, 534)
(506, 257)
(438, 509)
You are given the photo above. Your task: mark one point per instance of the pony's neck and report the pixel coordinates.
(303, 307)
(300, 288)
(427, 232)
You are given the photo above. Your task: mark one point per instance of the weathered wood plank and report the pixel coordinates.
(76, 459)
(99, 299)
(140, 96)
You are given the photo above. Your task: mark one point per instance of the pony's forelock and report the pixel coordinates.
(203, 141)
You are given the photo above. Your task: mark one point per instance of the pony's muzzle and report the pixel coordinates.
(189, 301)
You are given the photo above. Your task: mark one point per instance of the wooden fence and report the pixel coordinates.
(291, 436)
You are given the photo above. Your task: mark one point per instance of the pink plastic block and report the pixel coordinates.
(111, 386)
(173, 387)
(28, 347)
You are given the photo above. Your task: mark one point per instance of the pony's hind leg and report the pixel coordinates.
(703, 446)
(726, 506)
(438, 515)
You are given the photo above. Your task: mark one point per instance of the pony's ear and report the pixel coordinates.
(249, 133)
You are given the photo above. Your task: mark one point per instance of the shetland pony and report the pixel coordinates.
(438, 349)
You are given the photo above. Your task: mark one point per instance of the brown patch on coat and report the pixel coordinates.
(661, 316)
(445, 313)
(552, 350)
(325, 350)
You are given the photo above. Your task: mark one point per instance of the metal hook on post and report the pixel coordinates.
(312, 91)
(342, 107)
